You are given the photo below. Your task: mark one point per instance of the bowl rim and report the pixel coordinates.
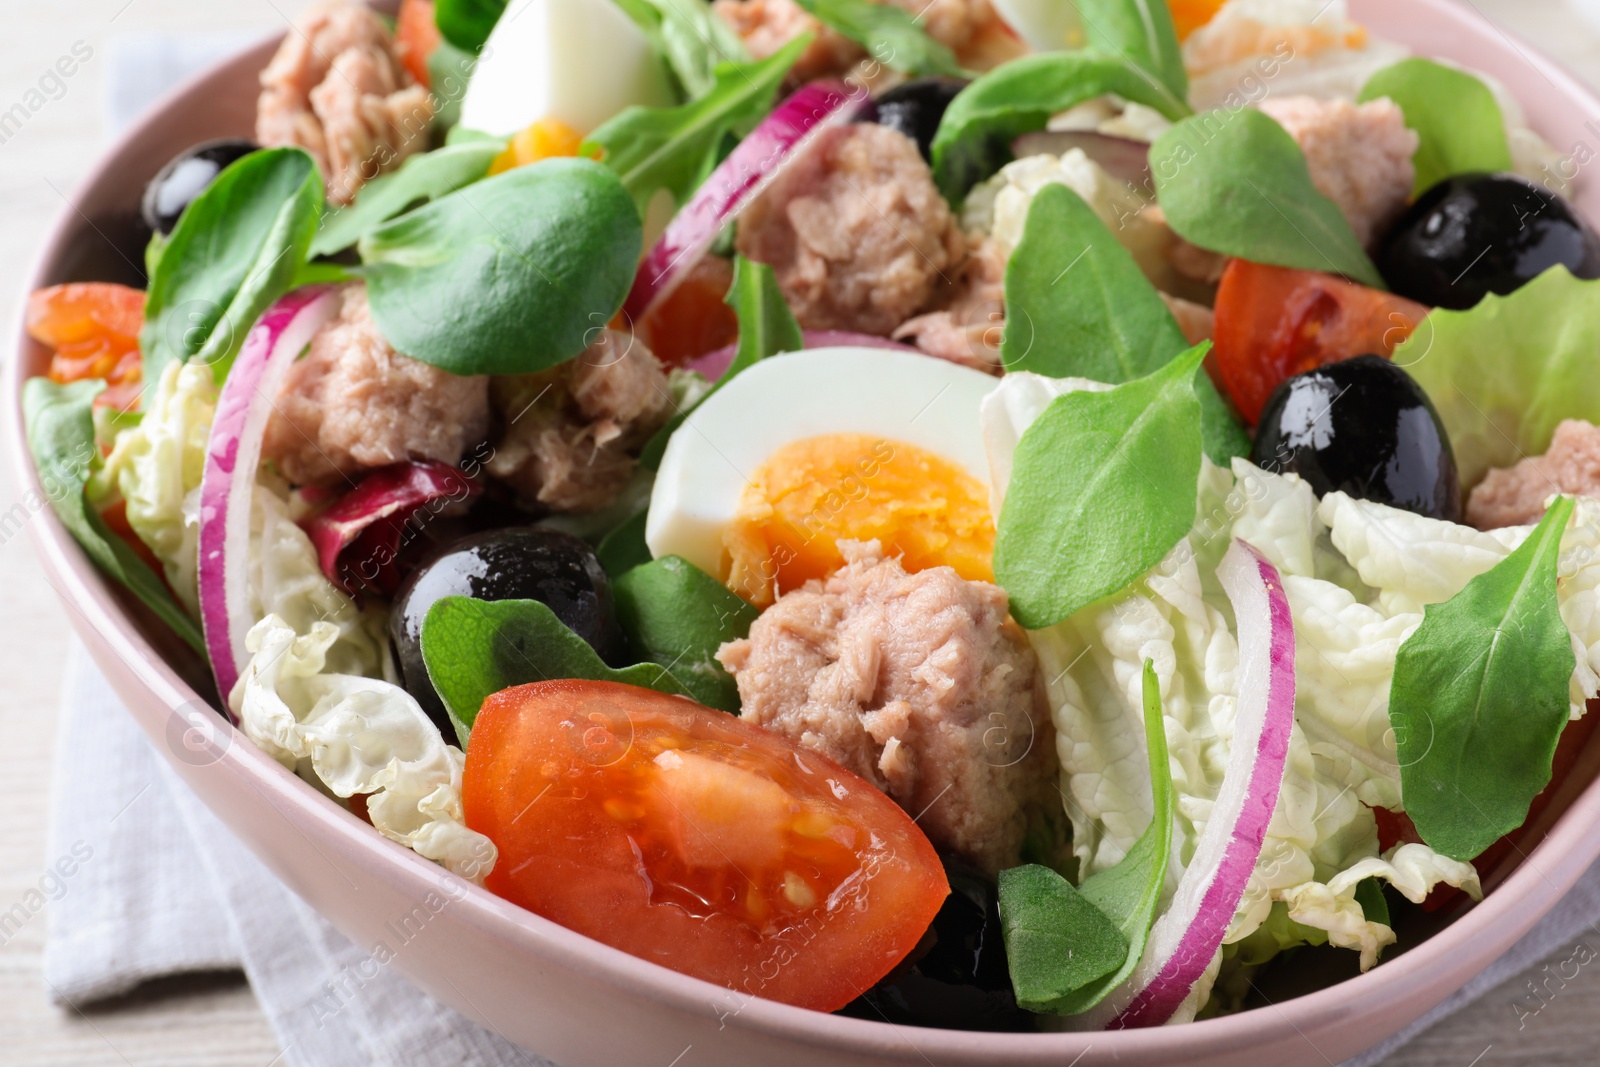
(1515, 906)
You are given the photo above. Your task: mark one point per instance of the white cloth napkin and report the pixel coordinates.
(158, 886)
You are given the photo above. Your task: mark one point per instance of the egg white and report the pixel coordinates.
(898, 396)
(577, 61)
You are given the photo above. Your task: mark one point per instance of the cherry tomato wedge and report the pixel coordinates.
(416, 35)
(698, 841)
(694, 318)
(1273, 323)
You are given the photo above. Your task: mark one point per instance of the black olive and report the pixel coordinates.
(1362, 427)
(916, 107)
(525, 563)
(961, 980)
(185, 177)
(1476, 234)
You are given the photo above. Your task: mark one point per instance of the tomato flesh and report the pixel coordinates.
(698, 841)
(694, 318)
(1273, 323)
(417, 35)
(93, 328)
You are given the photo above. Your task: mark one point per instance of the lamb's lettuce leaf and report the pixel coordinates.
(975, 135)
(1480, 697)
(1505, 373)
(1140, 31)
(891, 35)
(1456, 117)
(1080, 307)
(467, 23)
(1235, 182)
(692, 38)
(420, 179)
(1058, 939)
(677, 615)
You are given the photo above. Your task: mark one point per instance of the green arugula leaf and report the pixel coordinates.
(1102, 486)
(1129, 892)
(690, 37)
(975, 135)
(467, 23)
(235, 250)
(60, 431)
(677, 615)
(508, 275)
(766, 328)
(1457, 120)
(891, 35)
(1237, 183)
(1140, 31)
(421, 178)
(1480, 697)
(1504, 374)
(1080, 307)
(674, 148)
(475, 648)
(1057, 940)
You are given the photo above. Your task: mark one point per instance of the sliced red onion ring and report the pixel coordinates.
(1121, 157)
(227, 487)
(1185, 938)
(714, 365)
(358, 538)
(781, 137)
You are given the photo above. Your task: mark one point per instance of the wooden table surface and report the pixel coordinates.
(213, 1020)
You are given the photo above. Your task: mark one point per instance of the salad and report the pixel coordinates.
(1001, 515)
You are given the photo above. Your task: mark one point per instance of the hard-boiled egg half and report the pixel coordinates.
(805, 450)
(577, 62)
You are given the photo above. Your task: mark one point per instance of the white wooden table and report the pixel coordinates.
(212, 1020)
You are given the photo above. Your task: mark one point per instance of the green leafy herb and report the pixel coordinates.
(674, 148)
(1057, 940)
(1102, 486)
(475, 648)
(421, 178)
(1480, 697)
(467, 23)
(1080, 307)
(892, 35)
(677, 615)
(60, 431)
(509, 275)
(623, 548)
(1129, 892)
(1456, 118)
(766, 327)
(449, 70)
(1505, 373)
(1059, 944)
(1369, 894)
(1235, 182)
(235, 250)
(691, 37)
(1140, 31)
(975, 135)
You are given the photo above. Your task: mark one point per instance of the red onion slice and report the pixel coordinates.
(227, 487)
(359, 537)
(781, 137)
(1185, 938)
(714, 365)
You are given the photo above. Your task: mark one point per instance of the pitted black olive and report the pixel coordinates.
(524, 563)
(185, 177)
(1476, 234)
(916, 107)
(1363, 427)
(957, 978)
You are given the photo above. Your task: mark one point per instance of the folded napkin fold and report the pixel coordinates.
(147, 882)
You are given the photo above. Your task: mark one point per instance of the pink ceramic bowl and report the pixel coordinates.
(586, 1005)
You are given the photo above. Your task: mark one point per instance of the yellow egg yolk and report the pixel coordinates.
(811, 494)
